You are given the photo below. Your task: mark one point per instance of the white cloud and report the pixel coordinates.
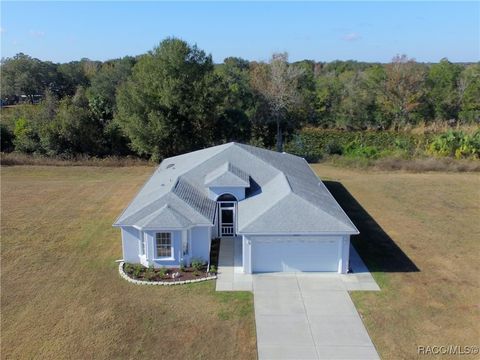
(352, 36)
(36, 34)
(2, 30)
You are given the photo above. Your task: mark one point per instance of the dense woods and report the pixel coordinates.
(175, 99)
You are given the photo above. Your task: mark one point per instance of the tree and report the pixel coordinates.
(169, 104)
(402, 90)
(278, 85)
(73, 130)
(237, 107)
(469, 94)
(442, 83)
(24, 75)
(104, 84)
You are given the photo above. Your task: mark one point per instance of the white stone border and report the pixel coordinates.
(165, 283)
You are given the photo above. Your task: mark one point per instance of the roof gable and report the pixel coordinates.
(227, 175)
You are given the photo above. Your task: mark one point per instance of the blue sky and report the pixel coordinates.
(322, 31)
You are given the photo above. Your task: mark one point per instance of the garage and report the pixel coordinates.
(296, 253)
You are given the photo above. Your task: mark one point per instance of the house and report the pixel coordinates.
(273, 203)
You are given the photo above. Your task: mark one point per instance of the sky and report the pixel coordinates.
(320, 31)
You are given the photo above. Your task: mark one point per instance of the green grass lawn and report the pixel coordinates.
(61, 293)
(62, 297)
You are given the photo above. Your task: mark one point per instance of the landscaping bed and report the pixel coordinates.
(142, 273)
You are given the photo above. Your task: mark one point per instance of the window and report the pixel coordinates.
(226, 197)
(164, 244)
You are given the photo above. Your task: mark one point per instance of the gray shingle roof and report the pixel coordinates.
(195, 198)
(285, 195)
(227, 175)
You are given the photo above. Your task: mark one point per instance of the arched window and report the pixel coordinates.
(226, 197)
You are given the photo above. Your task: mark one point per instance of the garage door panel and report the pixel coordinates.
(296, 254)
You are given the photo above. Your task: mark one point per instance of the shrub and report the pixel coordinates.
(213, 269)
(333, 148)
(357, 149)
(456, 144)
(138, 269)
(300, 147)
(162, 272)
(150, 273)
(6, 138)
(128, 268)
(315, 141)
(197, 264)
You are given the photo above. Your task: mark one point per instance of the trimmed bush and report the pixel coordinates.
(197, 264)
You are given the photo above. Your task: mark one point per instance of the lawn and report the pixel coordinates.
(420, 235)
(62, 297)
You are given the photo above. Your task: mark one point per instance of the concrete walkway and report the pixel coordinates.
(230, 275)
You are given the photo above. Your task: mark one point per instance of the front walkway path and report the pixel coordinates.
(230, 276)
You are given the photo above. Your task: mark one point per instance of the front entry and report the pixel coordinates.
(227, 218)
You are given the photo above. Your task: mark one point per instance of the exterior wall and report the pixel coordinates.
(341, 251)
(345, 255)
(131, 244)
(200, 243)
(247, 254)
(198, 238)
(215, 192)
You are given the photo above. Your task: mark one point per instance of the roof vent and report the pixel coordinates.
(170, 165)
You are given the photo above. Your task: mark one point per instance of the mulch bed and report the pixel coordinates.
(139, 272)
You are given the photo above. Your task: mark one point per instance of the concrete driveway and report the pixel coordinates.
(308, 316)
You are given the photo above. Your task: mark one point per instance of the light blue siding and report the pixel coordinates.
(131, 244)
(200, 241)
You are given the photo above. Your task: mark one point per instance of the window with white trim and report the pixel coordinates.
(163, 244)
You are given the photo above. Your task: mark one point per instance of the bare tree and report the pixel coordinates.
(277, 83)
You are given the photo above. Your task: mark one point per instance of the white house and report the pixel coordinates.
(273, 203)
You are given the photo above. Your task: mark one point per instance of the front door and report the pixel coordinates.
(227, 218)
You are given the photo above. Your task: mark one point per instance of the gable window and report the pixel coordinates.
(163, 244)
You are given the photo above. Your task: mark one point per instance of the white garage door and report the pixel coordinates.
(295, 254)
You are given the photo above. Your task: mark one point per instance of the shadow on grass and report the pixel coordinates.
(377, 249)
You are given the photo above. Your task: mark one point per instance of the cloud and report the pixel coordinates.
(352, 36)
(36, 34)
(2, 30)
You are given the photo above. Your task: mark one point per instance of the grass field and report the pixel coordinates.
(62, 297)
(420, 236)
(61, 293)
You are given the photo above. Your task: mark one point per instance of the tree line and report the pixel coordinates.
(174, 99)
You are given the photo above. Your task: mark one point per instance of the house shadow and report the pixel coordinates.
(375, 246)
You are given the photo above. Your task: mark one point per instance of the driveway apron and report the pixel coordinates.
(308, 316)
